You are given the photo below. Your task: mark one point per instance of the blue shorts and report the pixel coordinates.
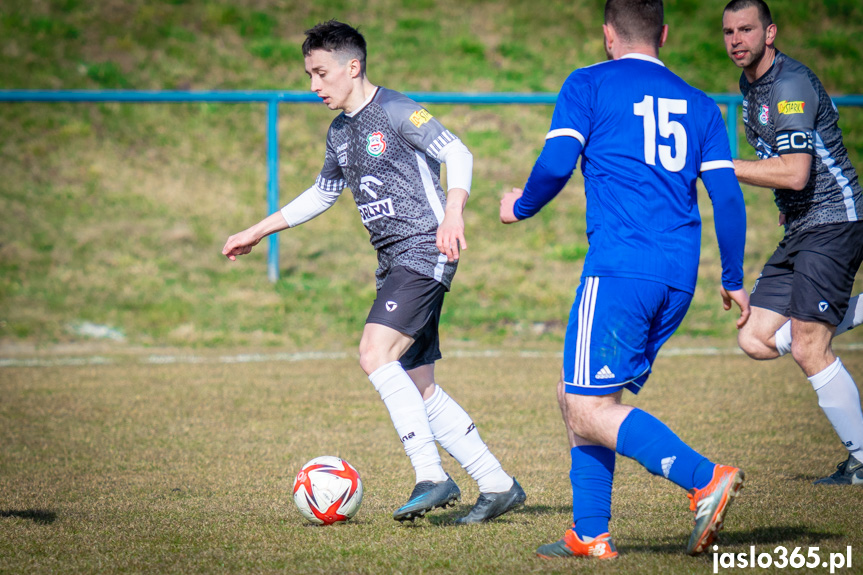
(616, 328)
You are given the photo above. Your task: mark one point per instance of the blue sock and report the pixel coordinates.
(650, 442)
(591, 475)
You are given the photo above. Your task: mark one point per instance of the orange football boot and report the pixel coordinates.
(710, 505)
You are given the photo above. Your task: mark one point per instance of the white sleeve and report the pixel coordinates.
(311, 203)
(459, 165)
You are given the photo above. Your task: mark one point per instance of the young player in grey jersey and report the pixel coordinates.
(388, 150)
(792, 124)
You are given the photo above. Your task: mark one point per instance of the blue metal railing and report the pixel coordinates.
(273, 98)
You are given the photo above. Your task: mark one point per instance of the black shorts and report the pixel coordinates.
(410, 303)
(811, 274)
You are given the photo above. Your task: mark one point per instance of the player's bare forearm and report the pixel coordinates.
(788, 172)
(741, 298)
(242, 243)
(450, 234)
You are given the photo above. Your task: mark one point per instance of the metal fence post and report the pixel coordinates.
(731, 128)
(273, 184)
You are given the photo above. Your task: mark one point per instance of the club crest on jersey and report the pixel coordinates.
(764, 116)
(786, 107)
(376, 210)
(420, 117)
(376, 144)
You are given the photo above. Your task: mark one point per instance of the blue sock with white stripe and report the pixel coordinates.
(650, 442)
(591, 475)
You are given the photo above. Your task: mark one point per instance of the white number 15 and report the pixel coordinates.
(671, 162)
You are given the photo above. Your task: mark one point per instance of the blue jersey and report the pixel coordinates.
(645, 136)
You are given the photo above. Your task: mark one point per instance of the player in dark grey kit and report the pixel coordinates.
(792, 124)
(388, 150)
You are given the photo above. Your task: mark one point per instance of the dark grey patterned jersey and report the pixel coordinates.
(387, 153)
(788, 111)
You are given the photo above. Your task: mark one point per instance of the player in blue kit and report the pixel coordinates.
(388, 150)
(644, 136)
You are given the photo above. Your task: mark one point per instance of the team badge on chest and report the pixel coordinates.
(376, 144)
(764, 116)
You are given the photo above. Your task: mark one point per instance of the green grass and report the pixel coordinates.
(187, 468)
(116, 213)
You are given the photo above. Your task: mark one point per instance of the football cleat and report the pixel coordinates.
(572, 546)
(426, 496)
(849, 472)
(491, 505)
(710, 504)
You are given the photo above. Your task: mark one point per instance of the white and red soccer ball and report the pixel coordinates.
(328, 490)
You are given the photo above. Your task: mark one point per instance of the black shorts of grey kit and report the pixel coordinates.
(811, 274)
(411, 303)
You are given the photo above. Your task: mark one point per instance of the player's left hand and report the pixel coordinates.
(450, 235)
(507, 206)
(741, 298)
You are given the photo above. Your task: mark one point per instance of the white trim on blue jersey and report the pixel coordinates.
(715, 165)
(565, 132)
(645, 57)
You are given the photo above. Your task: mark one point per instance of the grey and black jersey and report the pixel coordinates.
(387, 153)
(788, 111)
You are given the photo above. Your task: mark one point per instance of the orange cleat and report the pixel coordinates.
(710, 505)
(572, 546)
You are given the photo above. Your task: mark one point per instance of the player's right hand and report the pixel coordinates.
(239, 244)
(507, 206)
(741, 298)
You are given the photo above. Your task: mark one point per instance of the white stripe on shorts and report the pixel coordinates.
(581, 372)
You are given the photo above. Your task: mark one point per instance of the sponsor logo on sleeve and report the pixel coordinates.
(376, 210)
(376, 144)
(786, 107)
(764, 116)
(342, 153)
(420, 117)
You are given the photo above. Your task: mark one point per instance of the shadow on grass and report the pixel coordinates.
(789, 535)
(41, 516)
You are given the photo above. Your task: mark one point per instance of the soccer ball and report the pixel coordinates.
(328, 490)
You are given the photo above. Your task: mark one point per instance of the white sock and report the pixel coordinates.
(853, 317)
(840, 400)
(456, 433)
(408, 412)
(783, 338)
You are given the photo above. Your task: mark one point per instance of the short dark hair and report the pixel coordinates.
(338, 37)
(636, 20)
(763, 10)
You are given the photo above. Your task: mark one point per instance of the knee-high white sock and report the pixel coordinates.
(840, 400)
(408, 412)
(456, 433)
(853, 317)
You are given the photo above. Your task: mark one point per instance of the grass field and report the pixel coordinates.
(134, 466)
(170, 445)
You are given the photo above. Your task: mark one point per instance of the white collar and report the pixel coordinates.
(364, 104)
(639, 56)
